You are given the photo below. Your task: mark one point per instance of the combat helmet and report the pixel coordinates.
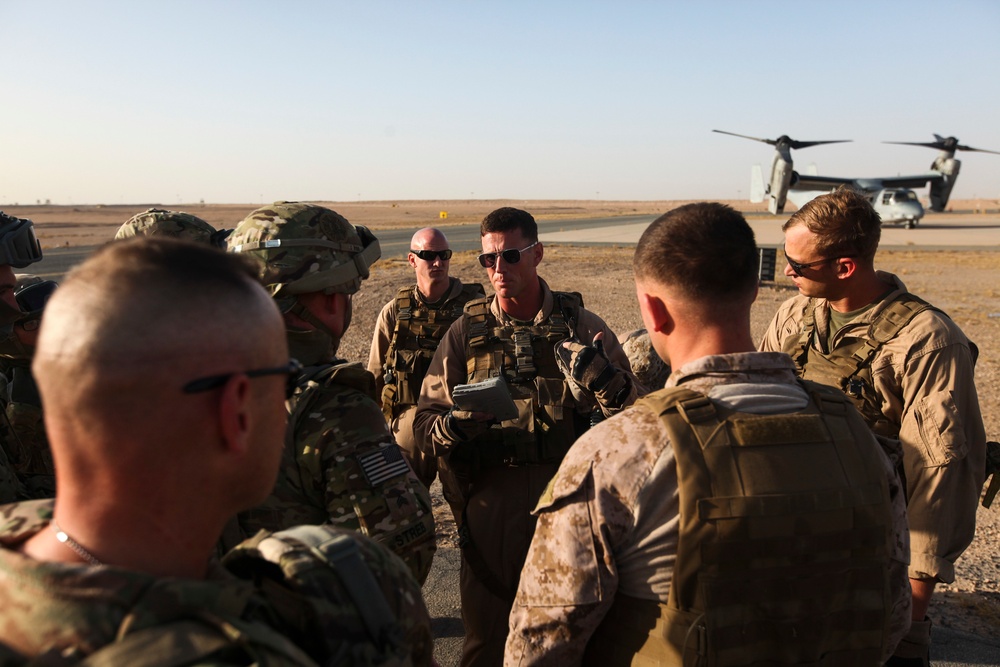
(19, 246)
(305, 248)
(158, 222)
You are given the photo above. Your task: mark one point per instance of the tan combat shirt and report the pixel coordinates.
(925, 379)
(611, 520)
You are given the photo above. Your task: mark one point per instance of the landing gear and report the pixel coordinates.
(910, 224)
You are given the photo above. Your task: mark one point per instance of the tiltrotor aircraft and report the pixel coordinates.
(891, 196)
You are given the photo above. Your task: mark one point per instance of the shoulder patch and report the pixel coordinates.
(383, 464)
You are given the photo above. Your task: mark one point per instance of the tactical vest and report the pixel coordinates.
(848, 367)
(548, 422)
(419, 329)
(783, 542)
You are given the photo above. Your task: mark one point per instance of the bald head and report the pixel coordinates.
(428, 238)
(430, 258)
(139, 318)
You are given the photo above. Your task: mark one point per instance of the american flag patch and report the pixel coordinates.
(383, 464)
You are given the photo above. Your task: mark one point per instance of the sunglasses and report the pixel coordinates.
(291, 369)
(799, 267)
(431, 255)
(511, 256)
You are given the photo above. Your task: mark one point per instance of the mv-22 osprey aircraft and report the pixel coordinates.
(890, 195)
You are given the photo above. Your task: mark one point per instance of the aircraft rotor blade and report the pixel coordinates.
(944, 144)
(784, 140)
(743, 136)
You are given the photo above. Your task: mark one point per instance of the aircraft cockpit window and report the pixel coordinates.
(887, 198)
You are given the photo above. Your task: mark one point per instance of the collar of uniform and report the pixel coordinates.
(454, 289)
(728, 368)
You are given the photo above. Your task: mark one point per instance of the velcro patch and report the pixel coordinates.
(383, 464)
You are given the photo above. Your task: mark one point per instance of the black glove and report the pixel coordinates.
(587, 365)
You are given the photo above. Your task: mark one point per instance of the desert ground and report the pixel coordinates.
(966, 285)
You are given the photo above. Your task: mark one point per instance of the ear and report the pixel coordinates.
(412, 259)
(655, 313)
(539, 251)
(234, 414)
(845, 267)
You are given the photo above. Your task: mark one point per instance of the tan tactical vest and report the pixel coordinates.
(547, 422)
(419, 329)
(849, 366)
(783, 547)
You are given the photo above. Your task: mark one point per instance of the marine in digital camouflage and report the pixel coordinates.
(298, 613)
(175, 224)
(651, 371)
(340, 463)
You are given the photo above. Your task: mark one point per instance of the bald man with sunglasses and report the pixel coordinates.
(407, 333)
(909, 370)
(564, 369)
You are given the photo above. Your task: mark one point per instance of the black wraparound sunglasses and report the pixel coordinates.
(799, 267)
(291, 369)
(431, 255)
(511, 256)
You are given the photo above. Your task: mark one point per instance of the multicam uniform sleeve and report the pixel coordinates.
(384, 326)
(366, 483)
(944, 443)
(570, 576)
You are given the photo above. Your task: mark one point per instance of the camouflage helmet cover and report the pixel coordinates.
(176, 224)
(306, 248)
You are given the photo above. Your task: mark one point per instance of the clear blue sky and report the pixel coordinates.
(170, 102)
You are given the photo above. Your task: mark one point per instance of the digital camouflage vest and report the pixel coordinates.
(783, 542)
(419, 328)
(548, 422)
(849, 365)
(346, 473)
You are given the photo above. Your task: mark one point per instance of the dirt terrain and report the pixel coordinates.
(964, 284)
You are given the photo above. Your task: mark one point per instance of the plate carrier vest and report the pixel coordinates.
(419, 329)
(849, 365)
(548, 422)
(783, 546)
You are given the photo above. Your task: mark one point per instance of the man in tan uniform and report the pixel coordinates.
(908, 368)
(717, 517)
(407, 333)
(173, 423)
(503, 467)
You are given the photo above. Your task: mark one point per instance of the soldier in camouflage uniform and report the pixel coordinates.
(407, 332)
(340, 463)
(736, 517)
(22, 430)
(525, 333)
(908, 368)
(171, 425)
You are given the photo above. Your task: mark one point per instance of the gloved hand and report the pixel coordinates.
(459, 426)
(587, 365)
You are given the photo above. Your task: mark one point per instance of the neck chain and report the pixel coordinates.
(78, 548)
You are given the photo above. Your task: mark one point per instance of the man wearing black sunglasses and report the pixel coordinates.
(340, 464)
(518, 334)
(407, 333)
(171, 424)
(907, 366)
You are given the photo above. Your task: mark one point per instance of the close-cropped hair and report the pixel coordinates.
(707, 251)
(508, 219)
(844, 222)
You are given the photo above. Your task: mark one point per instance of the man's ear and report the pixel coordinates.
(234, 413)
(656, 314)
(412, 259)
(845, 267)
(539, 251)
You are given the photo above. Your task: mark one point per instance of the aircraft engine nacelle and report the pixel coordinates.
(948, 167)
(781, 179)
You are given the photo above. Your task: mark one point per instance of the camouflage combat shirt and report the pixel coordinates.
(74, 610)
(609, 520)
(340, 465)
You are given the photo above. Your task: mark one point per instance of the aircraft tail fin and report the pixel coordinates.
(756, 184)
